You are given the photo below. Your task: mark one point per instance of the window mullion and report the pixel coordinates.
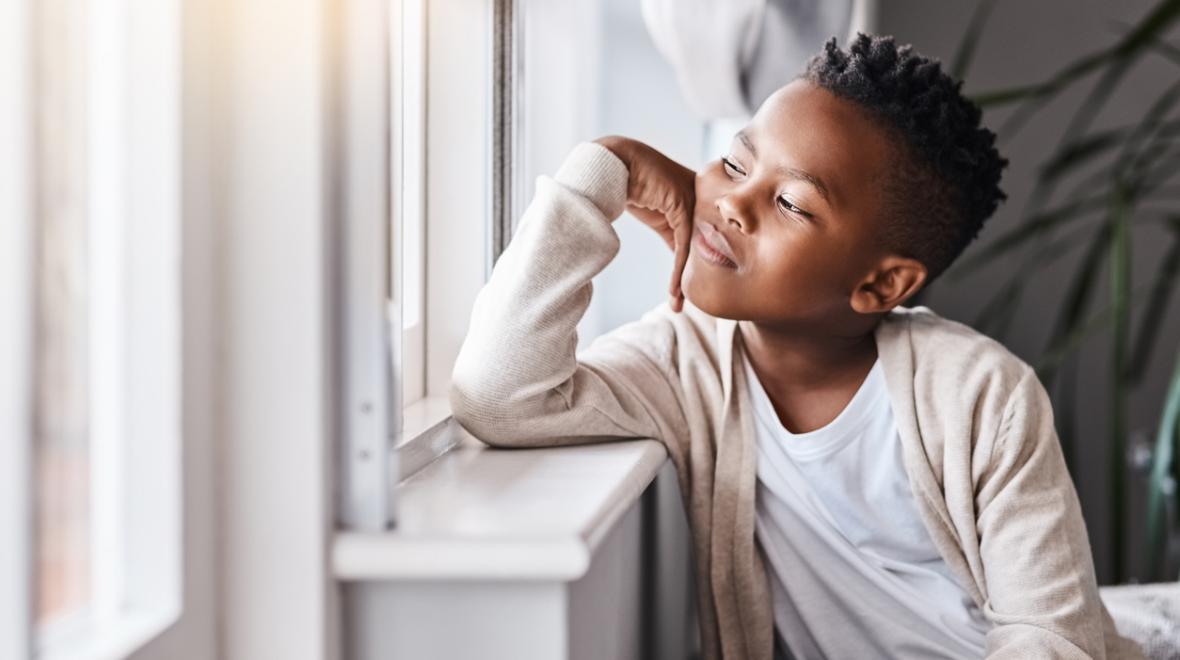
(371, 332)
(16, 337)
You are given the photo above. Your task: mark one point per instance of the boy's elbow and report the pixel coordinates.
(480, 413)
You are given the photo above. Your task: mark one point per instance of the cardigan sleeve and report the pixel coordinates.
(1041, 591)
(518, 380)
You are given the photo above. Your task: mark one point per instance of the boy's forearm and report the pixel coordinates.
(521, 340)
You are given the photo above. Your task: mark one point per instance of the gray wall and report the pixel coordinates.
(1025, 42)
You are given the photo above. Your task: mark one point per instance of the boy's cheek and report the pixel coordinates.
(707, 192)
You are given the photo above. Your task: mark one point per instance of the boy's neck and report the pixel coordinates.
(790, 361)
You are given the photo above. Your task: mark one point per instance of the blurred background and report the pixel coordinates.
(240, 241)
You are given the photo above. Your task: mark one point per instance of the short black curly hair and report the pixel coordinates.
(946, 182)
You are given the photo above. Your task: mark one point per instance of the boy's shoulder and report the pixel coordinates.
(951, 355)
(941, 337)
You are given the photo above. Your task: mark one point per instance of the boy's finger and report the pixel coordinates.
(683, 234)
(676, 302)
(669, 237)
(657, 221)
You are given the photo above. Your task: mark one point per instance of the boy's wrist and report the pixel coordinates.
(597, 172)
(619, 146)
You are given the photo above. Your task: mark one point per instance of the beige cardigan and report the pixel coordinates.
(980, 448)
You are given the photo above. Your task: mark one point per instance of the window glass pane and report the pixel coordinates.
(410, 205)
(409, 208)
(638, 97)
(592, 69)
(61, 454)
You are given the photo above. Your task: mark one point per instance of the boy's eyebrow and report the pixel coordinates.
(792, 172)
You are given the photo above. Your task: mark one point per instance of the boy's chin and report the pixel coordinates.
(709, 298)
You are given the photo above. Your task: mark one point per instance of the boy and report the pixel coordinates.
(862, 479)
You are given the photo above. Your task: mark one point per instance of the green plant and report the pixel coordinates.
(1131, 184)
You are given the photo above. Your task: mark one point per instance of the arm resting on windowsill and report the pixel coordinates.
(518, 380)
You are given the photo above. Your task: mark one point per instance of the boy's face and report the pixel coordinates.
(797, 199)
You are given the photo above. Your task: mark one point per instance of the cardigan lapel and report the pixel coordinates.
(743, 578)
(895, 347)
(725, 507)
(895, 350)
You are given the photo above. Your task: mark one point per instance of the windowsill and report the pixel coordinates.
(477, 512)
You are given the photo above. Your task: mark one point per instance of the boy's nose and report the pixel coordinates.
(735, 210)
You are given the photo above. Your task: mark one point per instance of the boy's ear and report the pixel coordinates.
(893, 282)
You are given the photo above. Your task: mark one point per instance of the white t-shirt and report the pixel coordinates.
(852, 568)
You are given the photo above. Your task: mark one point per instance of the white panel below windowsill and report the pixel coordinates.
(479, 513)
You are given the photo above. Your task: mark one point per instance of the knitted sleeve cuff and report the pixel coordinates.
(596, 172)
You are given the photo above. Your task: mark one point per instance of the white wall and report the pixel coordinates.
(275, 384)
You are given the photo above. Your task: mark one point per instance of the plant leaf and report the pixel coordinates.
(966, 50)
(1157, 307)
(1162, 484)
(1077, 298)
(1131, 153)
(1117, 60)
(1047, 363)
(1120, 284)
(1078, 152)
(1156, 23)
(1144, 34)
(1059, 80)
(1026, 230)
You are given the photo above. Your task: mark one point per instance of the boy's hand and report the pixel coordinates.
(662, 194)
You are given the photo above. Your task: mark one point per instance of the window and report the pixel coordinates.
(100, 256)
(482, 98)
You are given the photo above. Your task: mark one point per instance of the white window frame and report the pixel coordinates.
(438, 117)
(140, 579)
(407, 184)
(371, 321)
(16, 305)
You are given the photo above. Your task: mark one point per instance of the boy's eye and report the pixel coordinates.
(785, 204)
(731, 168)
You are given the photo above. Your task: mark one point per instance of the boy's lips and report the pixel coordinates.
(715, 240)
